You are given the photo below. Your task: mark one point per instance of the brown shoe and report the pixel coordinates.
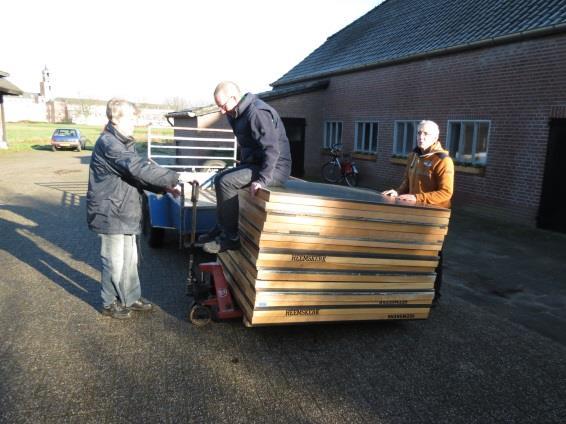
(141, 305)
(117, 311)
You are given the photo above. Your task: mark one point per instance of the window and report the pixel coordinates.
(366, 137)
(467, 141)
(404, 137)
(332, 133)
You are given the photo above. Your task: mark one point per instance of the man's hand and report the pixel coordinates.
(254, 187)
(408, 198)
(175, 191)
(185, 177)
(391, 193)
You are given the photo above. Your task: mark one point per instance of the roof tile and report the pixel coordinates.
(399, 29)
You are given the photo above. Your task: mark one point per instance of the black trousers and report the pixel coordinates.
(438, 280)
(227, 183)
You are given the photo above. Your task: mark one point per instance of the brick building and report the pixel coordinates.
(490, 73)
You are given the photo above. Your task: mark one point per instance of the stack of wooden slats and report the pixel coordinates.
(316, 252)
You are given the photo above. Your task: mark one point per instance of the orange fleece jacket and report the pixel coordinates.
(429, 176)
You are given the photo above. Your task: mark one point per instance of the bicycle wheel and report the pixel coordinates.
(351, 179)
(331, 172)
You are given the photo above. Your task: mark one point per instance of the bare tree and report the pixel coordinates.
(177, 103)
(84, 108)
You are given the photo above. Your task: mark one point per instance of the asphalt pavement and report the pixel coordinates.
(494, 351)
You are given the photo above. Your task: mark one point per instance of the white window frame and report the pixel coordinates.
(405, 141)
(359, 139)
(335, 136)
(476, 122)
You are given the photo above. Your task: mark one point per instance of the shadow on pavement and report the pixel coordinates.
(49, 244)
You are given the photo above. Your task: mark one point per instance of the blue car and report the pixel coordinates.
(67, 138)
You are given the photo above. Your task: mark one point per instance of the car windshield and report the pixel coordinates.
(66, 132)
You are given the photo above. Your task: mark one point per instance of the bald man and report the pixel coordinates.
(429, 178)
(265, 160)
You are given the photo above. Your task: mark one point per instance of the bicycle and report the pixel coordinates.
(335, 171)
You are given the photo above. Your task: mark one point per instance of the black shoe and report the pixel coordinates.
(116, 310)
(210, 236)
(141, 305)
(221, 244)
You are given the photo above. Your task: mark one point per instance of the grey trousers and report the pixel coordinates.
(227, 184)
(120, 279)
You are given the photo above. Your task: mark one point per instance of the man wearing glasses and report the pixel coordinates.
(265, 160)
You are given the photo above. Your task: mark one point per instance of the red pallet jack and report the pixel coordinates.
(212, 298)
(220, 305)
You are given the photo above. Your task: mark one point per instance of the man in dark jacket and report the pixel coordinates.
(265, 160)
(117, 177)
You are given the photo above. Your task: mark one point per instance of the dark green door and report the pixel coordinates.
(552, 208)
(295, 129)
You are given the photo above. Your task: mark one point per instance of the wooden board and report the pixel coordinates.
(409, 215)
(335, 250)
(342, 236)
(389, 285)
(339, 298)
(313, 273)
(310, 315)
(301, 315)
(264, 221)
(300, 192)
(315, 281)
(275, 241)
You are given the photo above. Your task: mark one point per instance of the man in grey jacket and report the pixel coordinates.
(117, 177)
(265, 160)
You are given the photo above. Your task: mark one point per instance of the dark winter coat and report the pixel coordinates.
(117, 177)
(262, 139)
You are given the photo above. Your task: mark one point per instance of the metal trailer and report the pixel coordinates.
(200, 151)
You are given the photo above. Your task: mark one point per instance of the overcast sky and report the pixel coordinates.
(156, 50)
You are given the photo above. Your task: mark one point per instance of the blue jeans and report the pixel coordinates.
(120, 279)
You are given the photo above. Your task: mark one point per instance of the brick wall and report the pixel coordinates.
(307, 106)
(517, 87)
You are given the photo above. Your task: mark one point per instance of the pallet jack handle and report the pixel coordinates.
(191, 278)
(194, 201)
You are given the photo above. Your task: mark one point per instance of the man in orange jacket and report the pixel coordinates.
(429, 178)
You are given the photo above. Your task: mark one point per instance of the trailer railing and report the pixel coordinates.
(191, 149)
